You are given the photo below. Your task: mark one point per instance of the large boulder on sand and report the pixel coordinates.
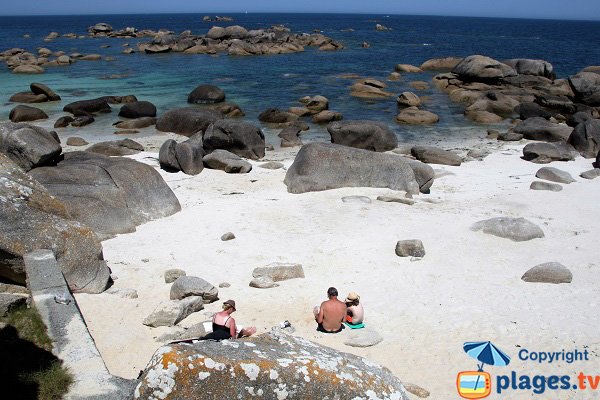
(185, 157)
(125, 147)
(27, 145)
(32, 219)
(361, 134)
(515, 229)
(323, 166)
(238, 137)
(226, 161)
(551, 272)
(138, 109)
(544, 153)
(23, 113)
(206, 94)
(586, 138)
(110, 194)
(186, 286)
(480, 69)
(271, 366)
(435, 155)
(538, 128)
(187, 121)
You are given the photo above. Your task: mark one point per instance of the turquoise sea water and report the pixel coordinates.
(259, 82)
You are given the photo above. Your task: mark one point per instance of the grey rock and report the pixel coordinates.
(441, 64)
(279, 272)
(172, 312)
(187, 121)
(591, 174)
(28, 97)
(434, 155)
(206, 94)
(76, 141)
(13, 289)
(123, 293)
(554, 175)
(227, 236)
(110, 194)
(186, 286)
(551, 272)
(63, 122)
(85, 107)
(356, 199)
(543, 153)
(515, 229)
(317, 104)
(396, 199)
(263, 282)
(416, 390)
(186, 156)
(408, 99)
(26, 113)
(510, 137)
(138, 109)
(32, 219)
(322, 166)
(531, 110)
(271, 165)
(41, 89)
(137, 123)
(327, 116)
(194, 332)
(9, 302)
(415, 116)
(365, 337)
(410, 248)
(538, 128)
(586, 86)
(480, 69)
(82, 120)
(362, 134)
(524, 66)
(27, 145)
(171, 275)
(586, 138)
(237, 137)
(226, 161)
(276, 116)
(539, 185)
(224, 284)
(252, 368)
(290, 136)
(123, 147)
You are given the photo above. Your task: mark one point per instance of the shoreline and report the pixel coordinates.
(424, 310)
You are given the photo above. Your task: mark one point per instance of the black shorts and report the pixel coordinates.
(321, 329)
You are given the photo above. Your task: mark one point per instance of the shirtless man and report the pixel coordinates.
(331, 313)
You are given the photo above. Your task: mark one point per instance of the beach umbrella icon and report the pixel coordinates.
(486, 353)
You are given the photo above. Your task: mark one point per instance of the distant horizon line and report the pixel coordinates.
(299, 13)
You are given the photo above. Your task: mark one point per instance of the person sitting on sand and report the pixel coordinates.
(331, 314)
(354, 310)
(223, 325)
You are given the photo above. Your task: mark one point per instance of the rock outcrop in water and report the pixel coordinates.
(269, 366)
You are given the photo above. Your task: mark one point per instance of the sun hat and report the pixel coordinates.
(352, 296)
(230, 303)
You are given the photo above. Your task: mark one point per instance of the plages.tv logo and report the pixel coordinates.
(478, 384)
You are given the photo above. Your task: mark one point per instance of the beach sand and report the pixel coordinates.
(466, 288)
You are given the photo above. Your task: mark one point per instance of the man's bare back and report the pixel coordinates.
(331, 313)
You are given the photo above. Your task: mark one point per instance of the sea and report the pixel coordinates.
(256, 83)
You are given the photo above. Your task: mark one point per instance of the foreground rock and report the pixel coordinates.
(539, 185)
(110, 194)
(238, 137)
(434, 155)
(26, 113)
(28, 146)
(123, 147)
(515, 229)
(586, 138)
(410, 248)
(33, 219)
(322, 166)
(172, 312)
(273, 366)
(187, 121)
(368, 135)
(551, 272)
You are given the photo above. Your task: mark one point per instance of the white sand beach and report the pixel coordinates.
(468, 286)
